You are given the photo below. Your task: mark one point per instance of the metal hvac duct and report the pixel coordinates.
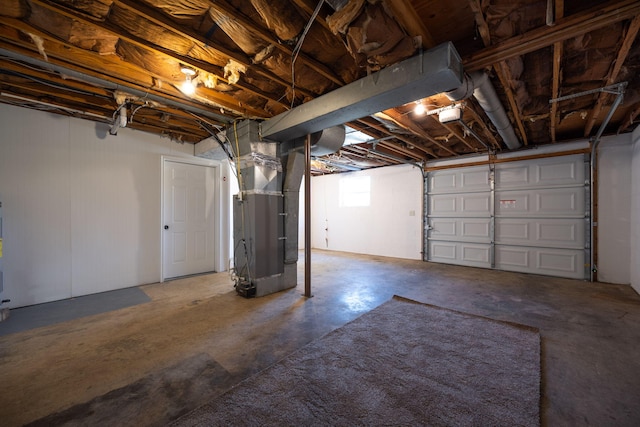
(479, 85)
(433, 71)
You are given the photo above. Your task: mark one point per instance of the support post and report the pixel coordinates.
(307, 216)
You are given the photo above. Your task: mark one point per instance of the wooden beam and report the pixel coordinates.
(502, 69)
(374, 124)
(481, 23)
(93, 65)
(112, 69)
(616, 66)
(476, 117)
(407, 16)
(630, 118)
(146, 45)
(592, 19)
(308, 11)
(253, 27)
(162, 20)
(44, 76)
(557, 73)
(414, 128)
(453, 131)
(504, 75)
(555, 88)
(493, 159)
(63, 53)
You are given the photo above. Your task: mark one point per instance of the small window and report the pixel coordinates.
(355, 191)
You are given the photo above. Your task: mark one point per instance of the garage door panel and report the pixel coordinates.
(460, 229)
(560, 172)
(467, 204)
(508, 176)
(476, 204)
(551, 172)
(459, 180)
(557, 202)
(443, 205)
(553, 232)
(546, 261)
(513, 258)
(462, 253)
(533, 220)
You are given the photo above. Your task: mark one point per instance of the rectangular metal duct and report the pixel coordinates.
(433, 71)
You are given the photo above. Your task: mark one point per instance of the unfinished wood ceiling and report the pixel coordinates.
(111, 60)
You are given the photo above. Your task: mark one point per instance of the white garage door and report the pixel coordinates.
(528, 216)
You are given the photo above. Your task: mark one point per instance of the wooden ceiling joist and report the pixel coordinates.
(121, 77)
(501, 69)
(372, 123)
(629, 120)
(144, 44)
(414, 128)
(408, 18)
(565, 28)
(616, 66)
(453, 130)
(265, 35)
(557, 74)
(489, 135)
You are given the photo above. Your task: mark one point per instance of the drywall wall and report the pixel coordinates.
(386, 228)
(375, 212)
(81, 207)
(614, 209)
(635, 211)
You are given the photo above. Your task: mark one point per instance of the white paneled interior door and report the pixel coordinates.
(188, 242)
(532, 218)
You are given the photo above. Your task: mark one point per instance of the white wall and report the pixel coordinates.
(389, 226)
(385, 227)
(635, 211)
(81, 207)
(614, 209)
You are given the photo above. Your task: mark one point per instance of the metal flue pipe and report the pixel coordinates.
(479, 86)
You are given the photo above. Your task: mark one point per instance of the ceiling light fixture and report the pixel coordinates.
(419, 108)
(188, 87)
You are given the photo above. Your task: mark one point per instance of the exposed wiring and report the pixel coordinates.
(242, 204)
(237, 157)
(45, 82)
(298, 48)
(133, 113)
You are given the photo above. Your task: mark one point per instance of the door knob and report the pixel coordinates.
(166, 227)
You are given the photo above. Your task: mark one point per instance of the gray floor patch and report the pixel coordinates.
(37, 316)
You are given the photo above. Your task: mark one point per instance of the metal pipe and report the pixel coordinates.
(307, 217)
(425, 215)
(593, 166)
(474, 134)
(338, 165)
(47, 104)
(111, 85)
(479, 85)
(613, 89)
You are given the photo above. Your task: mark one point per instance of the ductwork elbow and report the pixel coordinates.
(479, 85)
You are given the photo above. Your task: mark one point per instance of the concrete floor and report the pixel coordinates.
(150, 363)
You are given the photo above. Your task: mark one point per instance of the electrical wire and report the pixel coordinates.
(298, 48)
(242, 204)
(42, 81)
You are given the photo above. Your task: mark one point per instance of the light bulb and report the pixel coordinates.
(188, 88)
(419, 109)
